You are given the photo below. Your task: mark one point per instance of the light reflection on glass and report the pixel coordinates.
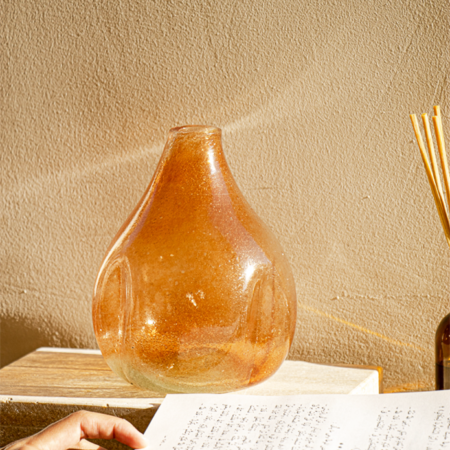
(211, 162)
(248, 273)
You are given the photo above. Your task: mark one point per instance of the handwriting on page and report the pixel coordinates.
(222, 426)
(391, 428)
(393, 424)
(439, 437)
(418, 421)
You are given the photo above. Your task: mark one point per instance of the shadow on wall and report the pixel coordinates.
(19, 337)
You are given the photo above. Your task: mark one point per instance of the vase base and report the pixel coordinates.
(218, 380)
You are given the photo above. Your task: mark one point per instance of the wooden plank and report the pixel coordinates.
(61, 360)
(61, 392)
(66, 375)
(299, 377)
(82, 379)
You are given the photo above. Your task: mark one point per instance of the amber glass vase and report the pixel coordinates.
(195, 293)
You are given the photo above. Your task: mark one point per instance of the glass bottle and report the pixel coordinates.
(195, 293)
(443, 354)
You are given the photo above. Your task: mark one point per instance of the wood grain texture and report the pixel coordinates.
(50, 374)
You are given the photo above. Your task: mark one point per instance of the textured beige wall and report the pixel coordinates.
(313, 98)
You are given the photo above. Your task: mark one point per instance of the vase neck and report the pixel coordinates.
(194, 153)
(194, 131)
(193, 163)
(196, 140)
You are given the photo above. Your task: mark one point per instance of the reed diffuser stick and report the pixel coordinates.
(441, 146)
(434, 166)
(433, 175)
(437, 198)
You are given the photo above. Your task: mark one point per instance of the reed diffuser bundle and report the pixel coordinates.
(432, 170)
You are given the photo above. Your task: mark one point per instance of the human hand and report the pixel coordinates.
(70, 432)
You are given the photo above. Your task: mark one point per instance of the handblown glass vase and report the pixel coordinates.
(195, 293)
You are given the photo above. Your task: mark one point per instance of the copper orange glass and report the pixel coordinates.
(195, 293)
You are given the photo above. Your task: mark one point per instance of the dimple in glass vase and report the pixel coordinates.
(195, 293)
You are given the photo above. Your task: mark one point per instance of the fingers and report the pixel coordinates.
(68, 432)
(101, 426)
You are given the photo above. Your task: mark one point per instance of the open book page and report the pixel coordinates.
(302, 422)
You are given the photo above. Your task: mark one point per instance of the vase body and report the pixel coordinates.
(195, 293)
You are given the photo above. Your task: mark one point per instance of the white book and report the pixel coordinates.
(408, 421)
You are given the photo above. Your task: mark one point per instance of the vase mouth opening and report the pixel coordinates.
(196, 129)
